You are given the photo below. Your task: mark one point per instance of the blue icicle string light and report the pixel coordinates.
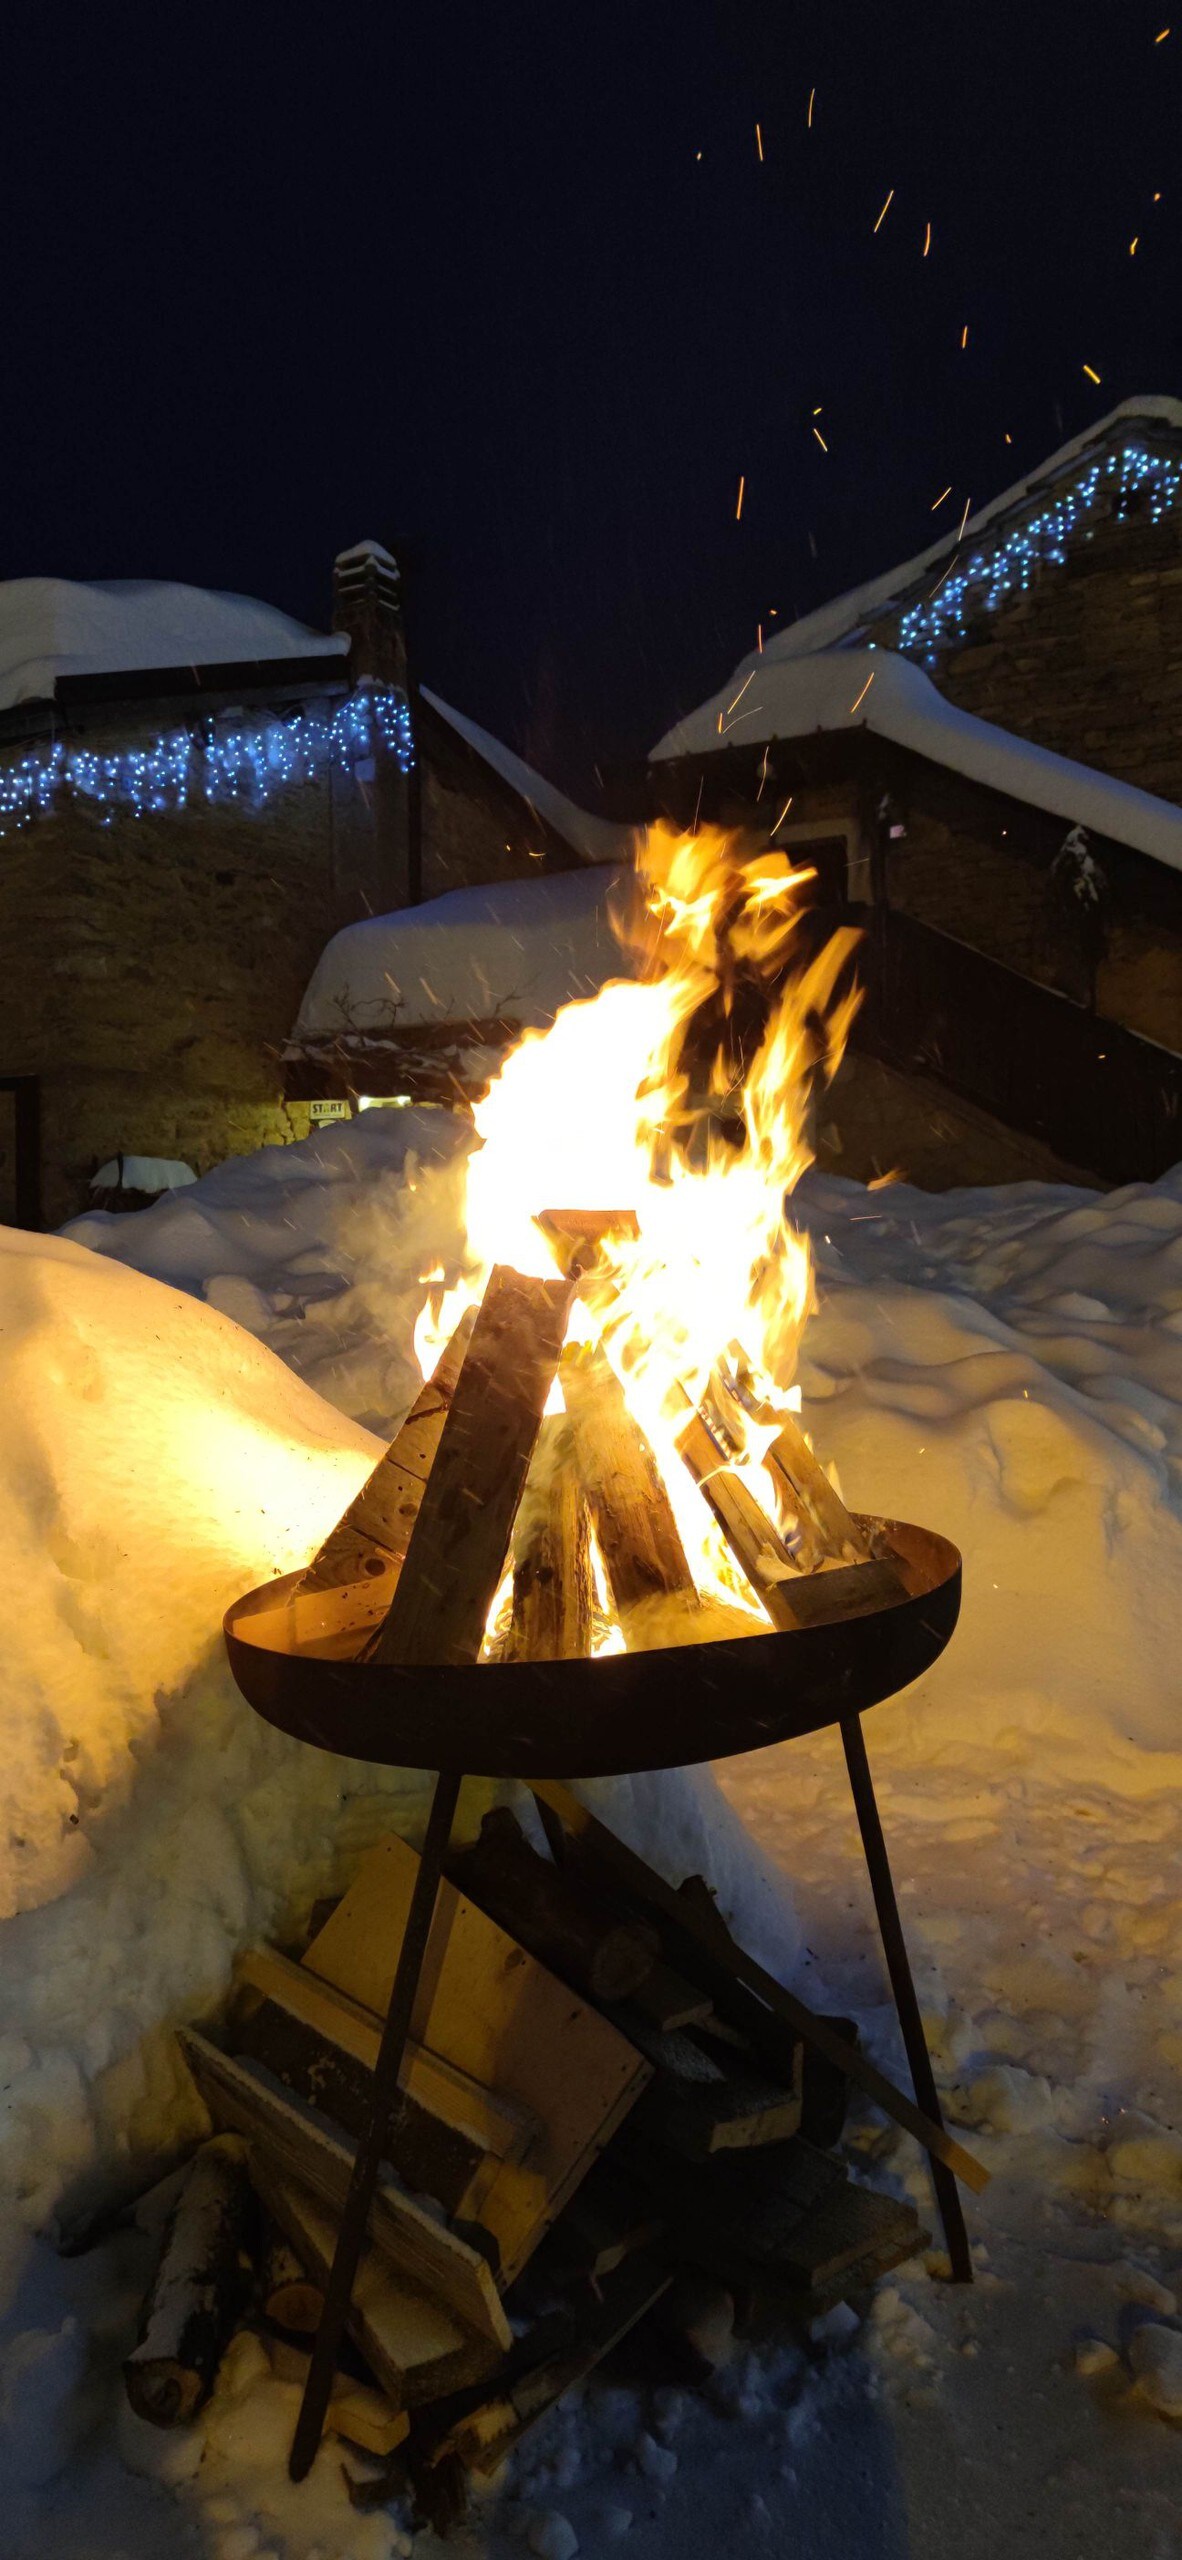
(243, 765)
(991, 578)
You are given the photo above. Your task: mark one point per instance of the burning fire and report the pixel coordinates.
(680, 1094)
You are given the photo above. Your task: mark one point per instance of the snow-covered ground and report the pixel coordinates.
(1006, 1366)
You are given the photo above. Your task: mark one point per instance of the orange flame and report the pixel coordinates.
(681, 1093)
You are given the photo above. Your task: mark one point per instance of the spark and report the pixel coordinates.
(739, 499)
(964, 519)
(784, 812)
(1009, 438)
(885, 210)
(759, 141)
(739, 696)
(856, 706)
(820, 439)
(927, 239)
(817, 411)
(964, 335)
(1091, 373)
(944, 493)
(812, 96)
(1133, 244)
(759, 637)
(1162, 37)
(1157, 198)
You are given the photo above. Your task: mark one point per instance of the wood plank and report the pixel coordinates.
(698, 2107)
(651, 1889)
(844, 2229)
(243, 2097)
(739, 2212)
(460, 1538)
(498, 2015)
(703, 2118)
(638, 1537)
(372, 1537)
(418, 2350)
(553, 1589)
(500, 2128)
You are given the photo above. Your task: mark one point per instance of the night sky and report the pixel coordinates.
(512, 291)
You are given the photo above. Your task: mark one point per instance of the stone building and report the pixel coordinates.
(196, 793)
(981, 754)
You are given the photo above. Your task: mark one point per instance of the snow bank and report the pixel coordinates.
(790, 697)
(513, 949)
(51, 627)
(155, 1461)
(1007, 1366)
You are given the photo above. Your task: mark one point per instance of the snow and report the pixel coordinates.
(1006, 1365)
(52, 627)
(513, 948)
(597, 839)
(876, 689)
(846, 616)
(142, 1173)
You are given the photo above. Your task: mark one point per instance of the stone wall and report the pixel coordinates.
(152, 971)
(1089, 660)
(153, 967)
(984, 872)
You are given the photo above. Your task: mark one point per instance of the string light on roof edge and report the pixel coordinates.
(989, 579)
(242, 766)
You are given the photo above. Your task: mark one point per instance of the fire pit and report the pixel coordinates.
(600, 1542)
(661, 1709)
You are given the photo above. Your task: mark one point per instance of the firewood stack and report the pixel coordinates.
(594, 2105)
(601, 2094)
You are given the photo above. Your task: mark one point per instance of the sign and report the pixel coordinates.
(330, 1111)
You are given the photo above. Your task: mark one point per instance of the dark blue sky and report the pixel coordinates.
(276, 277)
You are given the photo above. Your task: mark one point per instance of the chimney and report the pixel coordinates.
(366, 604)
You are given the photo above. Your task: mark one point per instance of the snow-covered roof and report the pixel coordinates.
(846, 616)
(770, 697)
(512, 950)
(52, 627)
(597, 839)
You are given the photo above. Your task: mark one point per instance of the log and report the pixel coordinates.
(460, 1538)
(355, 2410)
(483, 2437)
(690, 1929)
(372, 1536)
(414, 2345)
(296, 2305)
(791, 1599)
(197, 2292)
(244, 2097)
(639, 1540)
(564, 1926)
(553, 1589)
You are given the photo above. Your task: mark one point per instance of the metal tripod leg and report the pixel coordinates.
(907, 2006)
(371, 2150)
